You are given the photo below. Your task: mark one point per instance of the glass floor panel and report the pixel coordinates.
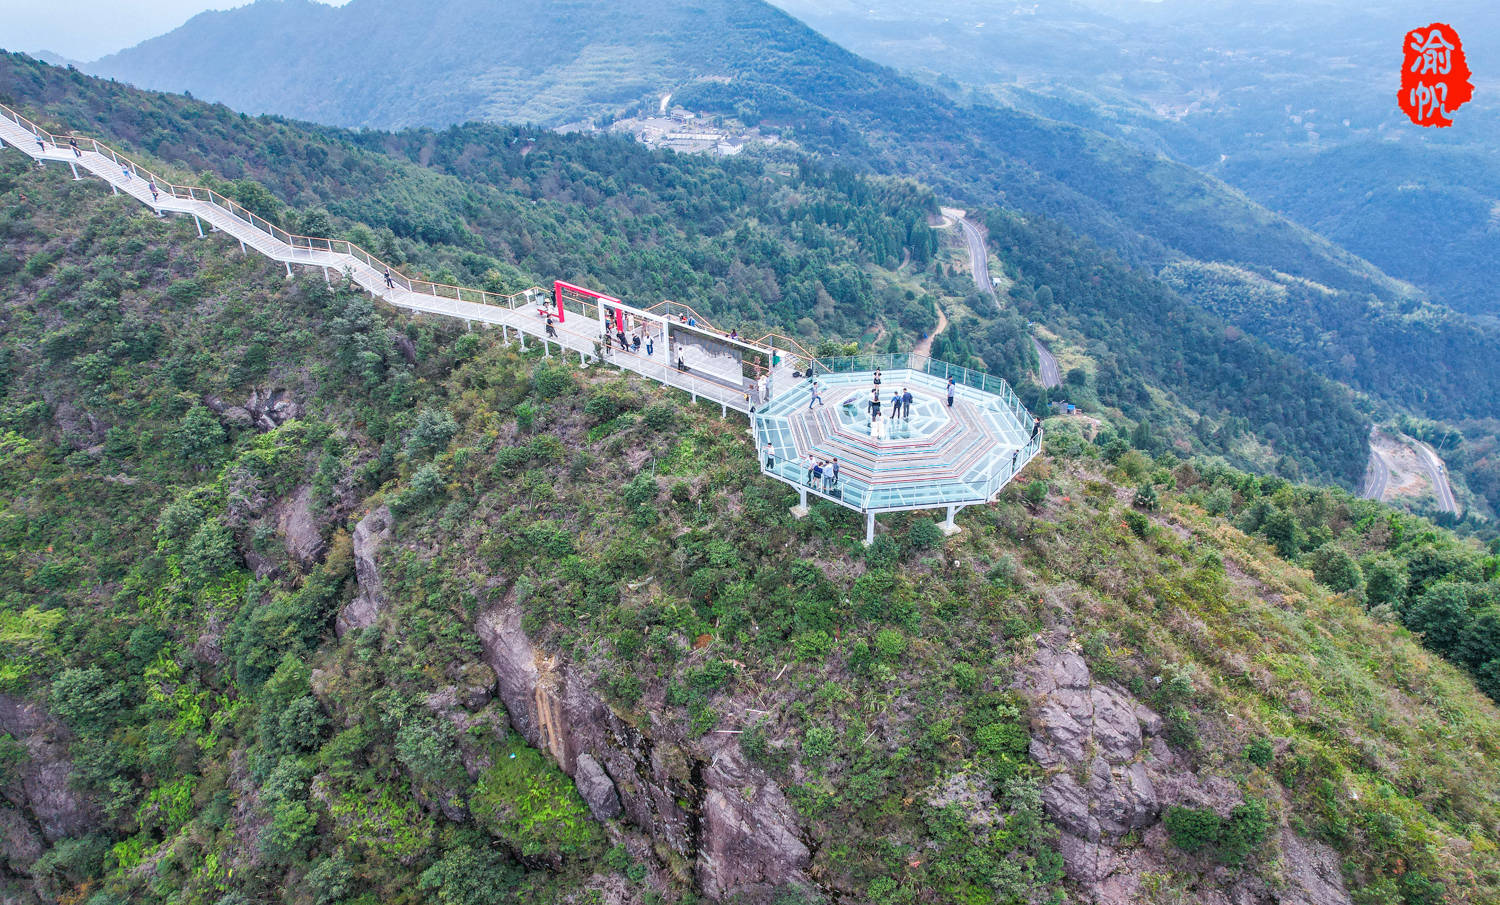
(939, 455)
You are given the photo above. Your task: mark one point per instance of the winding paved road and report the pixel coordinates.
(1377, 476)
(979, 263)
(1051, 373)
(1439, 475)
(979, 257)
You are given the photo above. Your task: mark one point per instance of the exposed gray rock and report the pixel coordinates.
(43, 788)
(748, 843)
(19, 843)
(1089, 738)
(236, 416)
(1311, 873)
(696, 797)
(1108, 770)
(476, 685)
(597, 789)
(209, 646)
(369, 535)
(299, 529)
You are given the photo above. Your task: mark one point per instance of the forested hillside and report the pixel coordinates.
(1245, 90)
(761, 66)
(764, 241)
(306, 601)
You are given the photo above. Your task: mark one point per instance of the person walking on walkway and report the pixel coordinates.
(650, 347)
(877, 377)
(951, 385)
(155, 196)
(833, 473)
(817, 396)
(125, 171)
(817, 475)
(1036, 427)
(906, 404)
(389, 283)
(1013, 455)
(73, 143)
(763, 388)
(551, 330)
(895, 404)
(874, 404)
(42, 145)
(770, 456)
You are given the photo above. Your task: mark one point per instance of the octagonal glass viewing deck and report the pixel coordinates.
(937, 456)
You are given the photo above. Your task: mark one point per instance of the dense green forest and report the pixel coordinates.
(1143, 335)
(1241, 91)
(1417, 355)
(1412, 357)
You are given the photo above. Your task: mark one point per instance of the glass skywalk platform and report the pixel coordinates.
(938, 456)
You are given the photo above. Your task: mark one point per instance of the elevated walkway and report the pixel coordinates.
(940, 456)
(523, 312)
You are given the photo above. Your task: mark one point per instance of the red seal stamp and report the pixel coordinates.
(1434, 75)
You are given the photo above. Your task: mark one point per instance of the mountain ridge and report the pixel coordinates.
(781, 72)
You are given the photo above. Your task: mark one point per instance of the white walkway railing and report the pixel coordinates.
(523, 312)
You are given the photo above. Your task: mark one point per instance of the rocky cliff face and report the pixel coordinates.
(38, 804)
(699, 797)
(1110, 774)
(370, 534)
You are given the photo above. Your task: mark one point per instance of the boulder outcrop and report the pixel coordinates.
(42, 787)
(698, 797)
(1109, 774)
(372, 532)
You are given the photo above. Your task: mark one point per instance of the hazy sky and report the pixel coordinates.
(88, 29)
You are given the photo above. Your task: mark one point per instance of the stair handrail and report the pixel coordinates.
(290, 239)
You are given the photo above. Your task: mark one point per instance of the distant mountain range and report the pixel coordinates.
(1293, 103)
(397, 63)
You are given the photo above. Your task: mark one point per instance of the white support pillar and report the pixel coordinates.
(289, 270)
(197, 222)
(243, 251)
(521, 335)
(723, 410)
(800, 510)
(546, 348)
(74, 166)
(504, 334)
(948, 526)
(581, 360)
(327, 278)
(869, 528)
(112, 187)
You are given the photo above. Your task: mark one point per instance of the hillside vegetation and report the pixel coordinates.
(764, 241)
(274, 559)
